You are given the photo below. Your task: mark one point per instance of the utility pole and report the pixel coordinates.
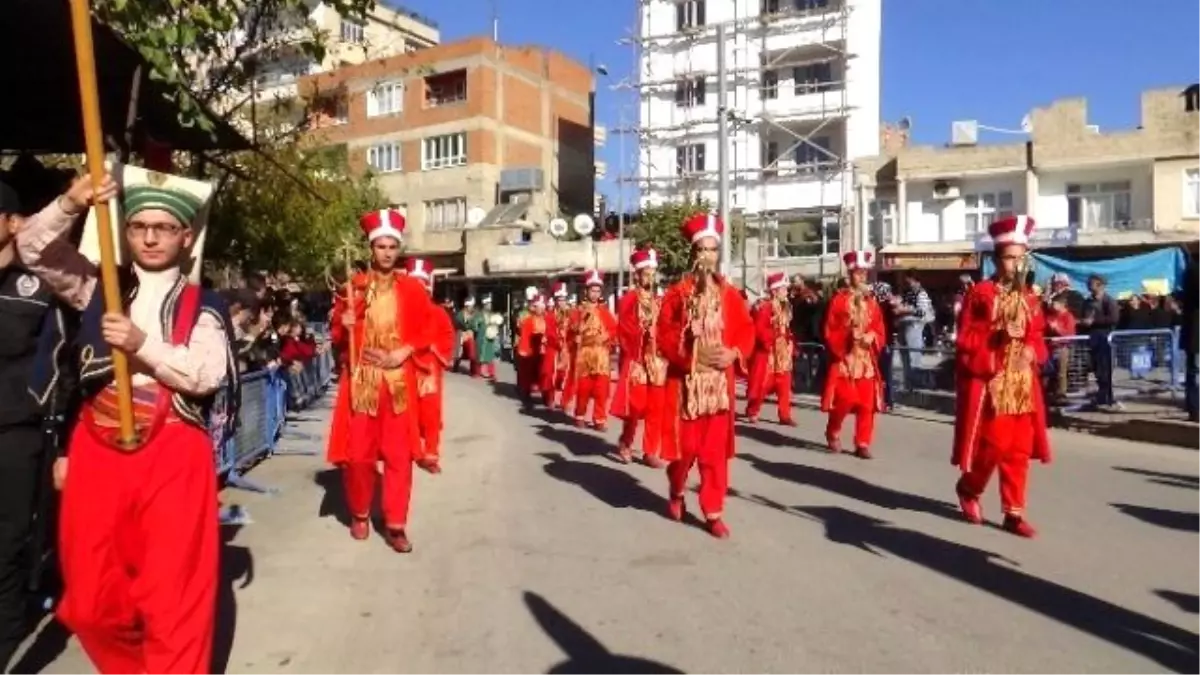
(723, 152)
(621, 262)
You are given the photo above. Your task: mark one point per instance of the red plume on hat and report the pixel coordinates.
(593, 278)
(702, 225)
(383, 223)
(859, 260)
(1011, 230)
(776, 280)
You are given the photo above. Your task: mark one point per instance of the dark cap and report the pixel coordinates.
(9, 201)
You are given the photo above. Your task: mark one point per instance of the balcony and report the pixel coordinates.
(445, 89)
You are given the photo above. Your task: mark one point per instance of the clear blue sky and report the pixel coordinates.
(942, 60)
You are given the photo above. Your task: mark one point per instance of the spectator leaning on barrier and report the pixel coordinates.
(1060, 285)
(1060, 323)
(1101, 314)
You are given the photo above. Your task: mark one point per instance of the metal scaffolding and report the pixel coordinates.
(791, 128)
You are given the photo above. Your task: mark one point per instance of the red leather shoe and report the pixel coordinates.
(863, 452)
(399, 542)
(624, 455)
(788, 422)
(676, 509)
(360, 529)
(718, 529)
(971, 510)
(431, 465)
(600, 426)
(1019, 526)
(751, 419)
(580, 423)
(835, 446)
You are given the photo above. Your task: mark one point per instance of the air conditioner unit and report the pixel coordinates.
(943, 191)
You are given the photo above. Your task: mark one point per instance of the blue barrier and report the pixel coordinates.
(266, 398)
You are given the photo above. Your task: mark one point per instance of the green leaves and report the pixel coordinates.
(658, 226)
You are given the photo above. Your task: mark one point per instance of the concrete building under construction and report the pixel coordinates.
(800, 99)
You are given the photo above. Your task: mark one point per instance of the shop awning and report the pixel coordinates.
(945, 255)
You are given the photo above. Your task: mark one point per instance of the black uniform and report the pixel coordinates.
(26, 303)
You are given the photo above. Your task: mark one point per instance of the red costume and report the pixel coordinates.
(533, 351)
(771, 363)
(392, 312)
(700, 401)
(642, 375)
(559, 354)
(1001, 415)
(854, 336)
(593, 330)
(431, 372)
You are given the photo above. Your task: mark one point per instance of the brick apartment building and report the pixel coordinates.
(447, 129)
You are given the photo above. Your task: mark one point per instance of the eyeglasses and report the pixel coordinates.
(141, 229)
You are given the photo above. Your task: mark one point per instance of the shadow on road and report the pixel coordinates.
(585, 654)
(771, 437)
(852, 487)
(612, 486)
(1187, 602)
(1170, 479)
(50, 643)
(237, 564)
(1167, 645)
(333, 498)
(1172, 520)
(575, 441)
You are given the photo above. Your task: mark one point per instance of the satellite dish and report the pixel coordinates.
(475, 216)
(1027, 124)
(583, 224)
(904, 124)
(559, 227)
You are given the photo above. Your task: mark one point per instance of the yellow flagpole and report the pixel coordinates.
(89, 98)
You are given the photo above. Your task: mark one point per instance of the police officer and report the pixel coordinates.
(26, 307)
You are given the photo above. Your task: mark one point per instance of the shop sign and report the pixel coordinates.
(931, 261)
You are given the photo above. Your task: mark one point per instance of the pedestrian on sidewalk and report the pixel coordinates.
(391, 318)
(431, 373)
(138, 543)
(854, 336)
(593, 332)
(704, 329)
(1101, 315)
(1001, 412)
(770, 370)
(642, 373)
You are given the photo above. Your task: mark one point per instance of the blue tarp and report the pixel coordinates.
(1144, 273)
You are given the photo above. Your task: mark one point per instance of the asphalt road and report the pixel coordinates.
(536, 553)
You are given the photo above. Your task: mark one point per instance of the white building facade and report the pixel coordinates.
(803, 96)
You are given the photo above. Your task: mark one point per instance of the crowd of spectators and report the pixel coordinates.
(270, 325)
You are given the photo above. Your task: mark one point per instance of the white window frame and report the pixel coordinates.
(1097, 197)
(445, 214)
(445, 151)
(1191, 193)
(690, 14)
(689, 159)
(769, 85)
(979, 214)
(353, 31)
(385, 157)
(883, 221)
(385, 99)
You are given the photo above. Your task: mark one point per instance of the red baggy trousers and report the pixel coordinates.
(592, 389)
(1005, 444)
(704, 441)
(429, 416)
(779, 384)
(646, 405)
(139, 551)
(858, 397)
(385, 436)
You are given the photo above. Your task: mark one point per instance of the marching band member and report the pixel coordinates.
(771, 364)
(854, 335)
(642, 375)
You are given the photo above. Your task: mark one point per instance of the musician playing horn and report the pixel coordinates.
(704, 331)
(1001, 415)
(771, 364)
(854, 335)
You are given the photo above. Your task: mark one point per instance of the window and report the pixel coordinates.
(386, 99)
(439, 152)
(807, 238)
(689, 14)
(883, 222)
(1191, 193)
(770, 85)
(352, 31)
(689, 159)
(1099, 206)
(814, 152)
(772, 6)
(813, 78)
(445, 88)
(770, 158)
(384, 157)
(689, 92)
(983, 209)
(445, 214)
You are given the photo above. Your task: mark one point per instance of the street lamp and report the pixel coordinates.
(602, 70)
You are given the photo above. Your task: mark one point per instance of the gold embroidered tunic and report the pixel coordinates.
(706, 391)
(1011, 389)
(380, 332)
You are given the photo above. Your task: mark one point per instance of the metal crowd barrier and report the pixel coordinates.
(266, 398)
